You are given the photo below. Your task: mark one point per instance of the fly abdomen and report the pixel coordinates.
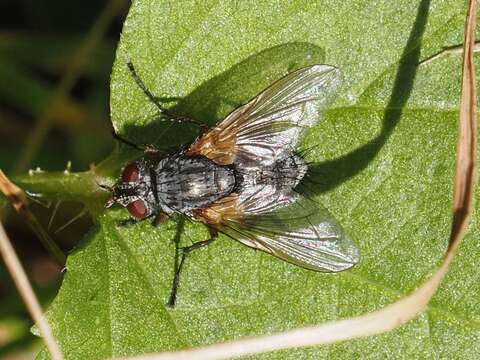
(283, 174)
(185, 183)
(289, 171)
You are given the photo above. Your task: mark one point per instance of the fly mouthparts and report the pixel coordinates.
(105, 187)
(109, 203)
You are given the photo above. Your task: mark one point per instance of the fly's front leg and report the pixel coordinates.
(148, 149)
(185, 251)
(160, 218)
(127, 222)
(132, 221)
(164, 112)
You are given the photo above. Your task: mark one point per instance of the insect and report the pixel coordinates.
(241, 178)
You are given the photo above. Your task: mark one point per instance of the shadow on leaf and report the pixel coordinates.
(329, 174)
(214, 99)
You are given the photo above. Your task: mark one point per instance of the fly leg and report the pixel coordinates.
(148, 149)
(185, 251)
(132, 221)
(160, 218)
(127, 222)
(164, 112)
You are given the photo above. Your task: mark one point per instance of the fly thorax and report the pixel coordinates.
(186, 183)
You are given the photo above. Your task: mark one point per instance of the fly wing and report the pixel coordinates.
(297, 229)
(271, 124)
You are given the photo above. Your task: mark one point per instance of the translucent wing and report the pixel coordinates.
(271, 124)
(302, 232)
(260, 138)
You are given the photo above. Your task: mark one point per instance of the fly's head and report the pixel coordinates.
(134, 190)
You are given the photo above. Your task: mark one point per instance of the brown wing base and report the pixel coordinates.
(219, 144)
(225, 209)
(210, 145)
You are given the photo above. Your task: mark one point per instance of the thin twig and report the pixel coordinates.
(26, 292)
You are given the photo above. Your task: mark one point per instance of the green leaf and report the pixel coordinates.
(384, 157)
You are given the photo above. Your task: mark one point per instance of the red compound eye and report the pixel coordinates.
(130, 173)
(137, 209)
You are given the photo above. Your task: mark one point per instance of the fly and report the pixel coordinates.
(241, 177)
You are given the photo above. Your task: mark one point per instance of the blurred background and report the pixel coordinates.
(55, 63)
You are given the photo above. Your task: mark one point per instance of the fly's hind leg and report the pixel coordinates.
(185, 251)
(164, 112)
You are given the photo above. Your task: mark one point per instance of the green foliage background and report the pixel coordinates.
(38, 43)
(384, 156)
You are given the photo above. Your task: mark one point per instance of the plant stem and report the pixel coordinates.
(81, 186)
